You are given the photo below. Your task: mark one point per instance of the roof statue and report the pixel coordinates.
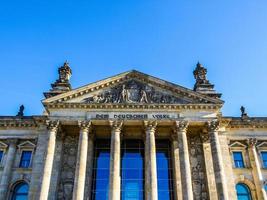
(244, 115)
(202, 84)
(21, 111)
(62, 84)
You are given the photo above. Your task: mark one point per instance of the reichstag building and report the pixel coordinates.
(133, 137)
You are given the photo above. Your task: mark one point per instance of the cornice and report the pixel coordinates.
(133, 106)
(238, 122)
(22, 122)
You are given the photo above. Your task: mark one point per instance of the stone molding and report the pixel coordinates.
(175, 107)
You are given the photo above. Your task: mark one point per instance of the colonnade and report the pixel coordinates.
(181, 162)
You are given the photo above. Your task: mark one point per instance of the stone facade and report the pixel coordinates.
(133, 105)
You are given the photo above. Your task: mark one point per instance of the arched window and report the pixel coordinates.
(20, 191)
(243, 192)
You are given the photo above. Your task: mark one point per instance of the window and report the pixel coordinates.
(1, 156)
(238, 159)
(243, 192)
(132, 170)
(264, 159)
(100, 184)
(25, 159)
(164, 170)
(20, 191)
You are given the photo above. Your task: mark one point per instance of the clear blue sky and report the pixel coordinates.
(164, 38)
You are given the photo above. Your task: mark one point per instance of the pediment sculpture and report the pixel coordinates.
(134, 92)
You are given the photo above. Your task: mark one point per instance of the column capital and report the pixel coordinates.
(252, 142)
(52, 125)
(150, 125)
(84, 125)
(181, 125)
(213, 125)
(116, 125)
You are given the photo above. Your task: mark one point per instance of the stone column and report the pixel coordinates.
(115, 161)
(90, 165)
(209, 166)
(181, 128)
(80, 172)
(51, 144)
(178, 194)
(151, 185)
(8, 168)
(220, 178)
(256, 168)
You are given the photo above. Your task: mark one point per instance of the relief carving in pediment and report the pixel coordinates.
(134, 92)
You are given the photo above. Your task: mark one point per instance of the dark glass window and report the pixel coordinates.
(100, 184)
(1, 156)
(243, 192)
(132, 170)
(25, 160)
(238, 159)
(264, 159)
(20, 192)
(164, 170)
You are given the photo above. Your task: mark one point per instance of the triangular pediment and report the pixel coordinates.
(132, 88)
(237, 145)
(262, 145)
(26, 144)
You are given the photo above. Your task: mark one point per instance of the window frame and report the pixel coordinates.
(21, 153)
(262, 147)
(234, 161)
(25, 146)
(249, 193)
(3, 147)
(237, 146)
(15, 185)
(261, 158)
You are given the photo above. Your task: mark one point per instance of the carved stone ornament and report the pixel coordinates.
(252, 142)
(67, 176)
(205, 137)
(150, 125)
(182, 125)
(52, 125)
(213, 125)
(134, 92)
(198, 172)
(116, 125)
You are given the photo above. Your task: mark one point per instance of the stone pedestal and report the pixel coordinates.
(221, 184)
(151, 186)
(80, 173)
(7, 172)
(115, 161)
(256, 169)
(181, 128)
(51, 144)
